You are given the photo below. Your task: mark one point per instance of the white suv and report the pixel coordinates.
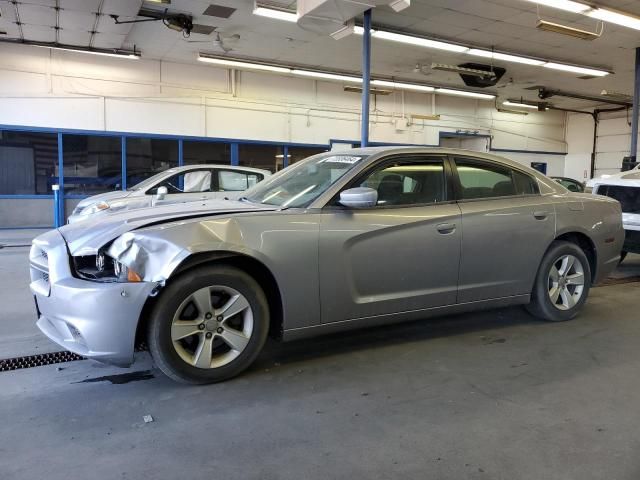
(624, 187)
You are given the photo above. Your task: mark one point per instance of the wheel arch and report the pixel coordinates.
(250, 265)
(585, 243)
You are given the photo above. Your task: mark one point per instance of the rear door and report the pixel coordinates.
(506, 228)
(400, 255)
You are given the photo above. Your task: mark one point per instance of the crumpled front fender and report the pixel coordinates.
(154, 253)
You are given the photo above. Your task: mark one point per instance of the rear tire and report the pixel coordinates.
(208, 325)
(562, 283)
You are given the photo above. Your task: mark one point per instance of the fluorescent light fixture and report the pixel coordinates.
(418, 41)
(463, 93)
(237, 64)
(574, 69)
(276, 13)
(566, 30)
(508, 103)
(399, 5)
(611, 16)
(327, 76)
(129, 54)
(402, 86)
(505, 56)
(567, 5)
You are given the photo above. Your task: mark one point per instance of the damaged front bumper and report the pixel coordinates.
(95, 320)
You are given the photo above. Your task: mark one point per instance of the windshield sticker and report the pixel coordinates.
(341, 159)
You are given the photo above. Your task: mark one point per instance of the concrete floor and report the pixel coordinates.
(493, 395)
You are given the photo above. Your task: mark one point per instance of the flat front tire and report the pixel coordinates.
(208, 325)
(562, 283)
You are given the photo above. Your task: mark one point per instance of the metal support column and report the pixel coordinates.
(180, 153)
(235, 154)
(60, 198)
(285, 156)
(123, 160)
(366, 78)
(636, 110)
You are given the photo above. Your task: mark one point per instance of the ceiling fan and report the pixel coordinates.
(180, 22)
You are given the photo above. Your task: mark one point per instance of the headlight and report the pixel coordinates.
(95, 208)
(103, 268)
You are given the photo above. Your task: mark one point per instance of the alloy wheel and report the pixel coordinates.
(566, 282)
(212, 326)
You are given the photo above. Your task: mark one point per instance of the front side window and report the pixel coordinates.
(232, 181)
(186, 182)
(488, 180)
(300, 184)
(408, 182)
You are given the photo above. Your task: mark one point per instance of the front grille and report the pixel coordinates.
(629, 197)
(39, 263)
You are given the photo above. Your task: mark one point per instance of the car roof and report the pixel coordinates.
(380, 151)
(218, 165)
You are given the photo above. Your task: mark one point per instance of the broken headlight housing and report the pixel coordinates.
(103, 268)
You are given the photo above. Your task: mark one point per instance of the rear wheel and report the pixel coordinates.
(208, 325)
(562, 283)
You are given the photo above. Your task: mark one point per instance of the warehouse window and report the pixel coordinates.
(196, 153)
(267, 157)
(148, 156)
(92, 164)
(300, 153)
(28, 162)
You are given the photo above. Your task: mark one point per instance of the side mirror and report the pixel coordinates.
(360, 197)
(161, 193)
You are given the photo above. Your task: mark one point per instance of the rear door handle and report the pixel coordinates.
(445, 228)
(540, 215)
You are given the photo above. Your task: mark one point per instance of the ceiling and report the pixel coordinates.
(504, 24)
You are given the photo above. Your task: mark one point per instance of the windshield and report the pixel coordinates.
(149, 181)
(302, 183)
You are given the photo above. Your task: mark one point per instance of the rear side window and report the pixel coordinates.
(233, 181)
(488, 180)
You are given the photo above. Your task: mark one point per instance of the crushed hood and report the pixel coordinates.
(88, 236)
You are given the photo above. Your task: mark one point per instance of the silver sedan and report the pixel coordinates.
(335, 242)
(191, 183)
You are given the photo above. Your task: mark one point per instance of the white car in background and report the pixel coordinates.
(624, 187)
(175, 185)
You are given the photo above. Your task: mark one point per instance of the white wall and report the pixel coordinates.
(45, 88)
(612, 145)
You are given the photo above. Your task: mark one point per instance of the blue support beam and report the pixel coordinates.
(636, 110)
(235, 154)
(180, 153)
(123, 145)
(366, 78)
(285, 156)
(59, 199)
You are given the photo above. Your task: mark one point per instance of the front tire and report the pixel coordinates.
(562, 283)
(208, 325)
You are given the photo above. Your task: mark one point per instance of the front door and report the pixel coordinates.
(398, 256)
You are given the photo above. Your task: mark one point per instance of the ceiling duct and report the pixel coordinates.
(491, 80)
(330, 16)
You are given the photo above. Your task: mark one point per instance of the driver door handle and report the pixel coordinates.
(445, 228)
(540, 215)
